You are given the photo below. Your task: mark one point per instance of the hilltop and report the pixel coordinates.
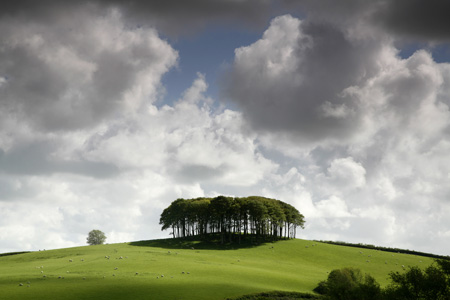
(187, 269)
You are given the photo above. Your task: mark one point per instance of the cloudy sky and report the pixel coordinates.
(110, 111)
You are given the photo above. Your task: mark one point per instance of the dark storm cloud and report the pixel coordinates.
(172, 17)
(417, 19)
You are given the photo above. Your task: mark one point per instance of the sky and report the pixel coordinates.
(111, 110)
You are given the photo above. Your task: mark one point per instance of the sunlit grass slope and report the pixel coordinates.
(174, 269)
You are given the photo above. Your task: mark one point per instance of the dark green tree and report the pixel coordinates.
(257, 215)
(96, 237)
(221, 212)
(349, 284)
(201, 214)
(432, 283)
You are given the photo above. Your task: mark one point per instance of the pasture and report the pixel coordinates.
(181, 269)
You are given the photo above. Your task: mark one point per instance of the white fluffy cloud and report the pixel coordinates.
(329, 118)
(119, 174)
(367, 128)
(294, 80)
(75, 72)
(83, 144)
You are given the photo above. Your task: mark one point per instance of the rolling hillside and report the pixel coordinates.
(179, 269)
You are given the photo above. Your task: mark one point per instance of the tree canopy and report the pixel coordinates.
(430, 283)
(349, 284)
(96, 237)
(231, 217)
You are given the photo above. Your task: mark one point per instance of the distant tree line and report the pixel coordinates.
(14, 253)
(387, 249)
(231, 217)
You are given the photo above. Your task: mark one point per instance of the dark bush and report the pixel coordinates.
(349, 284)
(433, 283)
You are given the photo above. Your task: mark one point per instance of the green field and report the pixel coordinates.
(175, 269)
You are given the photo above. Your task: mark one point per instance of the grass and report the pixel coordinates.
(210, 271)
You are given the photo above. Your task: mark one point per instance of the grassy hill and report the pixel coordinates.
(181, 269)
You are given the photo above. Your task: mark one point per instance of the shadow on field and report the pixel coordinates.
(210, 242)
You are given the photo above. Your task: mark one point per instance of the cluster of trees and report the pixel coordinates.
(231, 217)
(432, 283)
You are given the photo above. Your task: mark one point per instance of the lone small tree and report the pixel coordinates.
(96, 237)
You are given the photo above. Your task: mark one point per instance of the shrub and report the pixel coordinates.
(431, 283)
(349, 284)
